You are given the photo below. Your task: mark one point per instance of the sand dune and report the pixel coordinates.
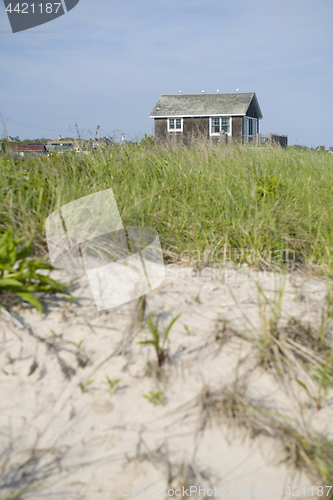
(66, 434)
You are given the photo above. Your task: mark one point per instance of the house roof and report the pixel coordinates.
(28, 147)
(205, 105)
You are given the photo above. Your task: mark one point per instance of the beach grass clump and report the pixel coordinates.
(293, 350)
(302, 447)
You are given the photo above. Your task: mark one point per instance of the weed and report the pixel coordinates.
(154, 397)
(112, 383)
(81, 357)
(55, 336)
(20, 276)
(78, 345)
(84, 386)
(271, 187)
(156, 342)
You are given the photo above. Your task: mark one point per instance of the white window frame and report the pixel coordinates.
(217, 134)
(175, 129)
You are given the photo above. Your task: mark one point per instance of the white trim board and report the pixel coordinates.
(198, 116)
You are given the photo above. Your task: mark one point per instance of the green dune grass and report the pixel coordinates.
(254, 205)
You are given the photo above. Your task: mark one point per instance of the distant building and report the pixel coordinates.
(190, 116)
(61, 145)
(29, 149)
(57, 142)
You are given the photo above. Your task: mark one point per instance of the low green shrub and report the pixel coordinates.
(19, 275)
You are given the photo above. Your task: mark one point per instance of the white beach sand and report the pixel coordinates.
(69, 443)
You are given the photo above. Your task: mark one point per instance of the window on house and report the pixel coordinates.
(175, 125)
(225, 124)
(215, 125)
(220, 124)
(250, 126)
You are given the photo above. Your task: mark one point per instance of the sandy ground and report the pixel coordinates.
(65, 435)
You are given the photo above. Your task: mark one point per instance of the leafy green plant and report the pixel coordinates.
(156, 341)
(85, 385)
(112, 383)
(56, 335)
(19, 275)
(81, 356)
(154, 397)
(78, 345)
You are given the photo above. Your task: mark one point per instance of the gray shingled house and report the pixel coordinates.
(191, 116)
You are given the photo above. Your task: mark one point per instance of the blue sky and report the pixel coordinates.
(106, 63)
